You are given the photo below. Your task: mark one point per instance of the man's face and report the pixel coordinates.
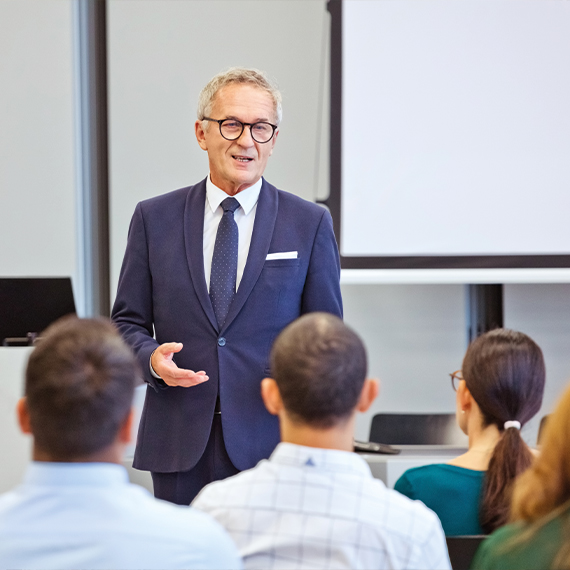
(236, 165)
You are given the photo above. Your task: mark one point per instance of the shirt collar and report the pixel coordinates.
(316, 457)
(247, 198)
(68, 474)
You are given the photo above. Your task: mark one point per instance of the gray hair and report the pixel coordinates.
(240, 75)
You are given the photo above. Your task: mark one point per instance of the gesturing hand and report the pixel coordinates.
(166, 368)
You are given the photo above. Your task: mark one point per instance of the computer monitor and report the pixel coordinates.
(29, 305)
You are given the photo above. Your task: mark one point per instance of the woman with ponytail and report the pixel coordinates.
(499, 389)
(540, 537)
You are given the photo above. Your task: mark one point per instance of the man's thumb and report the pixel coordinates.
(169, 347)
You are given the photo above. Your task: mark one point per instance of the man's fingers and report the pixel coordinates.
(169, 347)
(181, 373)
(167, 369)
(173, 375)
(186, 382)
(171, 368)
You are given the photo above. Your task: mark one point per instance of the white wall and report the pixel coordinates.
(161, 54)
(37, 213)
(37, 206)
(415, 336)
(15, 447)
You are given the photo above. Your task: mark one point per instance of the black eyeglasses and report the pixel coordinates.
(455, 378)
(231, 129)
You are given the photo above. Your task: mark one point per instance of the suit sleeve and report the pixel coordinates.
(133, 311)
(322, 286)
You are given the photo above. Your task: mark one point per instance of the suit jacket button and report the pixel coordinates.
(221, 341)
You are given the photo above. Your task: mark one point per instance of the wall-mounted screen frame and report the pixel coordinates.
(352, 260)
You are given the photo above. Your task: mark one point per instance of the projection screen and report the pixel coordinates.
(450, 133)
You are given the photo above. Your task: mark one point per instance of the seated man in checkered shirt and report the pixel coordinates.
(314, 503)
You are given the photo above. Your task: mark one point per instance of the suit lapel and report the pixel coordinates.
(265, 216)
(194, 242)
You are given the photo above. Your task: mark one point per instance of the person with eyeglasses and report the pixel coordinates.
(498, 390)
(211, 275)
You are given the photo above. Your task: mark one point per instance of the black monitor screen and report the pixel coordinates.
(29, 305)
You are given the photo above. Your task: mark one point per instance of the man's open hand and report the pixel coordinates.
(163, 364)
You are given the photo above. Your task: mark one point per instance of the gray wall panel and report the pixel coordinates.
(37, 217)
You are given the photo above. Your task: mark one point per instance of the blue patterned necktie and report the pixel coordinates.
(224, 262)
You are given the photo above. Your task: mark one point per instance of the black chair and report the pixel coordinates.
(462, 549)
(417, 429)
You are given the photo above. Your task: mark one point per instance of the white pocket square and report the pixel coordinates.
(282, 255)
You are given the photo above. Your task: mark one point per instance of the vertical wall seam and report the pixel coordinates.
(91, 157)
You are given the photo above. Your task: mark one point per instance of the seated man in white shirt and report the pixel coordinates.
(76, 507)
(314, 503)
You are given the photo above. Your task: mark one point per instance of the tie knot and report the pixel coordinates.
(230, 205)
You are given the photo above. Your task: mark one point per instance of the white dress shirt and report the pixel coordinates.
(310, 508)
(88, 515)
(244, 217)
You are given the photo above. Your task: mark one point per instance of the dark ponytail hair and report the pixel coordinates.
(504, 372)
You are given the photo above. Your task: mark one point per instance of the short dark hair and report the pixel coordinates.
(80, 382)
(505, 373)
(319, 365)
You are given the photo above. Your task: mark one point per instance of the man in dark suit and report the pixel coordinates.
(212, 273)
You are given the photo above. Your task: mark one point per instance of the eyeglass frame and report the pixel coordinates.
(243, 125)
(457, 375)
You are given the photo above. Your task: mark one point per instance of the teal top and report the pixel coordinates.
(511, 547)
(452, 493)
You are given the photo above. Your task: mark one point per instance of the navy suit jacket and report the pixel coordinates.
(162, 293)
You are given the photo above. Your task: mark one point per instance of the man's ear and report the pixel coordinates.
(23, 416)
(368, 394)
(200, 135)
(273, 141)
(125, 431)
(271, 396)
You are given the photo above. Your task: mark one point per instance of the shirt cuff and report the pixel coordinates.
(151, 368)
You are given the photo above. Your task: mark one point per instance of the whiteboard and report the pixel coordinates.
(455, 133)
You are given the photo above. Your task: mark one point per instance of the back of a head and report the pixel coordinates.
(319, 365)
(80, 382)
(504, 371)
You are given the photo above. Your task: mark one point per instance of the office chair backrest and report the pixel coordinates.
(462, 549)
(417, 429)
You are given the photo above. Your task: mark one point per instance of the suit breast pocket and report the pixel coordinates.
(283, 263)
(281, 274)
(281, 283)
